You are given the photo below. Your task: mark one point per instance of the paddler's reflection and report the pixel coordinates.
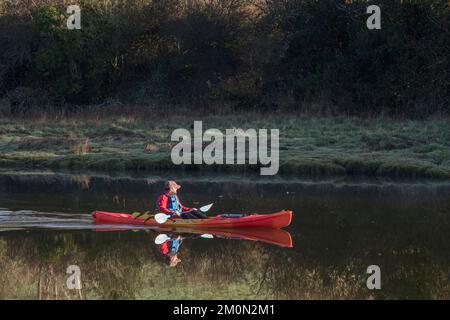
(170, 245)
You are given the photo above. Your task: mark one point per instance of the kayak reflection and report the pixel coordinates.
(169, 243)
(168, 240)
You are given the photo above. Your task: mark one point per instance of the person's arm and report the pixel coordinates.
(183, 208)
(163, 201)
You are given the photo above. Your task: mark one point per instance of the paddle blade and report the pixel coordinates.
(161, 238)
(136, 214)
(161, 217)
(207, 236)
(206, 208)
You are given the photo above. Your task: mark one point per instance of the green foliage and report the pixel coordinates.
(300, 54)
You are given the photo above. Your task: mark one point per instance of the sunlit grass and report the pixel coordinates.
(309, 145)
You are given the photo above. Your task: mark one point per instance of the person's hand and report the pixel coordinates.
(194, 209)
(178, 213)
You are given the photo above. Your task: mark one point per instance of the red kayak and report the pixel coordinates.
(274, 220)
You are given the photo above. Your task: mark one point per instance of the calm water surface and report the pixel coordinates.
(339, 229)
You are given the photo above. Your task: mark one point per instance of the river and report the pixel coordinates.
(340, 227)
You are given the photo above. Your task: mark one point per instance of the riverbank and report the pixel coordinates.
(309, 146)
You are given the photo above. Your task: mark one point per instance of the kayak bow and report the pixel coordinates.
(274, 220)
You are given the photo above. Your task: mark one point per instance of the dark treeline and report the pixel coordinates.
(303, 55)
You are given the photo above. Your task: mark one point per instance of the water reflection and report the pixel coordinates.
(169, 247)
(339, 229)
(169, 244)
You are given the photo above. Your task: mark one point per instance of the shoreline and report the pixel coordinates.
(354, 181)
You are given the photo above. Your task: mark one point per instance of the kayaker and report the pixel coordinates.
(170, 248)
(169, 203)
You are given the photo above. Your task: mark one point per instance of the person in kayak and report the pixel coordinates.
(170, 248)
(169, 203)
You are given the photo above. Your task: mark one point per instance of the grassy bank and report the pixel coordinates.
(309, 146)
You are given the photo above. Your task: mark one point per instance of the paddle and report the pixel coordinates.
(206, 208)
(161, 238)
(143, 216)
(162, 217)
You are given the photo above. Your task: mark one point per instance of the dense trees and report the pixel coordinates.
(303, 55)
